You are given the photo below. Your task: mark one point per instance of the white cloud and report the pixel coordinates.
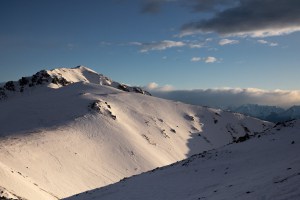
(166, 44)
(195, 59)
(155, 87)
(223, 97)
(262, 41)
(135, 43)
(271, 44)
(104, 43)
(268, 32)
(199, 45)
(210, 59)
(227, 41)
(162, 45)
(254, 34)
(152, 86)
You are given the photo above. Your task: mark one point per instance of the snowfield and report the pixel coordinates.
(266, 167)
(76, 131)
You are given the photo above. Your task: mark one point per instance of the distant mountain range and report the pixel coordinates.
(269, 113)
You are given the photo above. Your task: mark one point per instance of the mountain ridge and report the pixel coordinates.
(268, 113)
(57, 142)
(61, 77)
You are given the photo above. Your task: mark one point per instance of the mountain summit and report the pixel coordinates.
(61, 77)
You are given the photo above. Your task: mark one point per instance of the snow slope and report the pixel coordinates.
(59, 141)
(266, 167)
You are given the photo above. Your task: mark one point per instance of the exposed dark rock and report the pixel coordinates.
(123, 87)
(64, 82)
(60, 81)
(39, 81)
(173, 130)
(44, 74)
(23, 81)
(34, 78)
(138, 90)
(10, 86)
(55, 80)
(246, 129)
(2, 93)
(101, 107)
(242, 138)
(190, 117)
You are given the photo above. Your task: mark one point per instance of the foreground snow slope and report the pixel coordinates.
(55, 143)
(266, 167)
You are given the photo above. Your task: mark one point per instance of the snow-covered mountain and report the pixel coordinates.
(269, 113)
(79, 131)
(259, 111)
(57, 78)
(265, 167)
(292, 113)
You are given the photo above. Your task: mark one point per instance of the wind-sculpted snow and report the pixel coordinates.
(265, 167)
(56, 143)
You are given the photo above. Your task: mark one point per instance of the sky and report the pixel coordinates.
(162, 44)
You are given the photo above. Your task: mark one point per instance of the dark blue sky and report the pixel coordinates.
(186, 44)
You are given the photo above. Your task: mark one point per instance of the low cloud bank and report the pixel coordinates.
(225, 97)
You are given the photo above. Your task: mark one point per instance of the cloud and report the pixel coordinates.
(154, 87)
(227, 41)
(71, 46)
(104, 43)
(262, 41)
(254, 18)
(196, 45)
(161, 45)
(209, 5)
(224, 97)
(195, 59)
(153, 6)
(135, 43)
(271, 44)
(210, 59)
(166, 44)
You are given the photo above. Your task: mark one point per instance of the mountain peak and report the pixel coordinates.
(84, 68)
(60, 77)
